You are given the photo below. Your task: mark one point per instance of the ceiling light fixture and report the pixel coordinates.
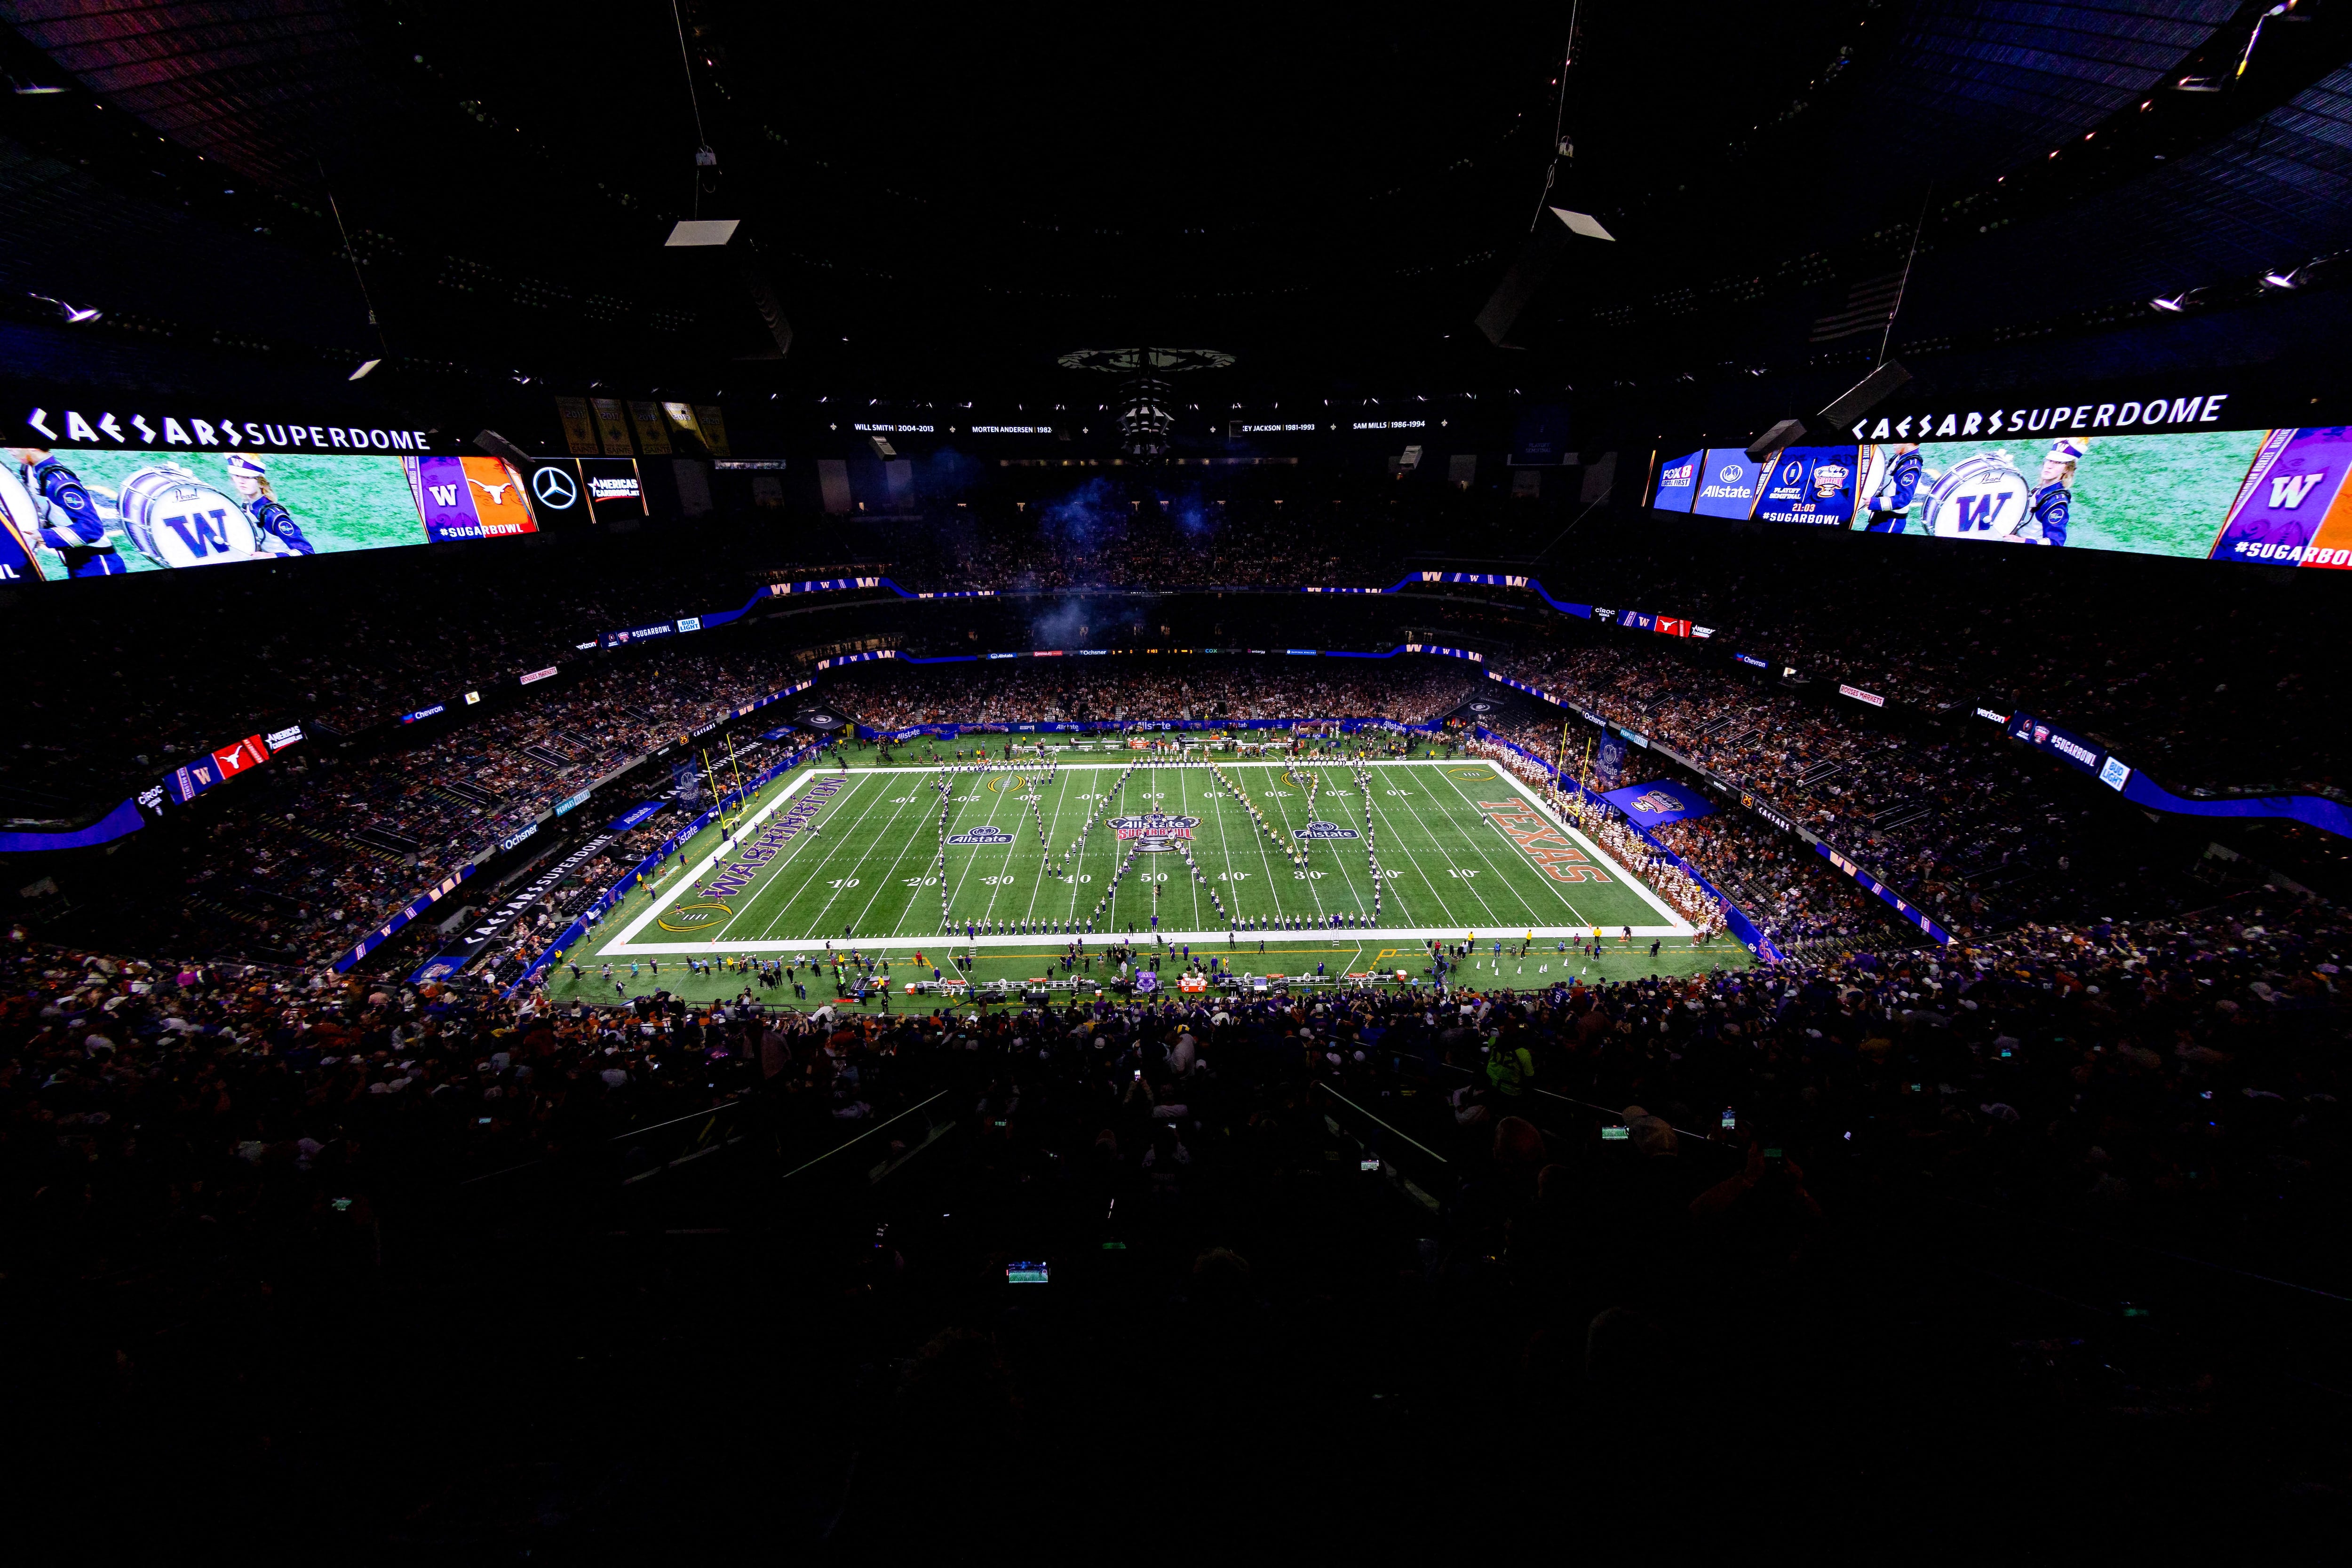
(75, 314)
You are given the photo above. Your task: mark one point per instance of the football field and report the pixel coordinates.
(855, 858)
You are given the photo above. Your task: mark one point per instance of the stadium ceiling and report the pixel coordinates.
(960, 198)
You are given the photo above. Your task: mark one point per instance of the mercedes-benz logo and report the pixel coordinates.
(554, 488)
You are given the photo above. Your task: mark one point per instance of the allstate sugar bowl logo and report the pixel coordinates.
(1154, 830)
(981, 835)
(1323, 830)
(1829, 478)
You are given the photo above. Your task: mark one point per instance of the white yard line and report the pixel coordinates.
(1478, 843)
(1452, 865)
(848, 873)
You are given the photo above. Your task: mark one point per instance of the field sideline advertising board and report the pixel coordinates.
(2183, 475)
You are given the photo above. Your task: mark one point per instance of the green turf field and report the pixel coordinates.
(852, 857)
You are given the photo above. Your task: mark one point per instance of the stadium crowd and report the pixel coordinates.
(1954, 821)
(301, 874)
(2206, 691)
(302, 871)
(2181, 1079)
(889, 697)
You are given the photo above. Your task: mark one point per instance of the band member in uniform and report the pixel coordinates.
(69, 521)
(1890, 504)
(2053, 496)
(272, 523)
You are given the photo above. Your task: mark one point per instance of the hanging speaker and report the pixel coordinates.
(1538, 260)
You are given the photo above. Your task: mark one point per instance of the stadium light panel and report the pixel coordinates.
(702, 231)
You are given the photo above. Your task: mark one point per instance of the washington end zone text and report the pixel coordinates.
(754, 855)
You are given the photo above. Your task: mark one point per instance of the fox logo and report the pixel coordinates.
(2288, 490)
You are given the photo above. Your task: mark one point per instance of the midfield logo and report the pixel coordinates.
(981, 835)
(1324, 831)
(1155, 830)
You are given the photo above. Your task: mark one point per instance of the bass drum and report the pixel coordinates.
(20, 530)
(1979, 497)
(178, 519)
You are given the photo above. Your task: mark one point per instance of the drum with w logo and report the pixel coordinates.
(1979, 497)
(178, 519)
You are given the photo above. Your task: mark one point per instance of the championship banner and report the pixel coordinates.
(653, 439)
(713, 421)
(579, 427)
(612, 426)
(1663, 802)
(685, 430)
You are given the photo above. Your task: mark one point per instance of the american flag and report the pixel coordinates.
(1869, 306)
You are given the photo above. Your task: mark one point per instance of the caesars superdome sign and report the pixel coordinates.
(56, 423)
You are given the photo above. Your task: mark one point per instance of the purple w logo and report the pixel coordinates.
(1978, 512)
(202, 532)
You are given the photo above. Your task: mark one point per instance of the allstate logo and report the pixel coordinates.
(694, 916)
(1323, 830)
(1728, 474)
(981, 835)
(1656, 801)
